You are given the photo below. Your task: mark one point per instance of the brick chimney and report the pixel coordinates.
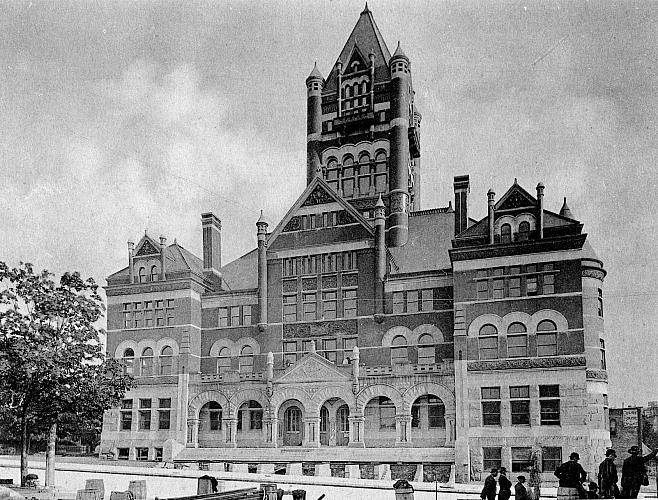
(212, 243)
(462, 188)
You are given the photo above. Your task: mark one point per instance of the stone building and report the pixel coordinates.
(363, 329)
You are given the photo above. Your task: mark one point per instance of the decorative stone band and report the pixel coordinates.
(596, 375)
(399, 202)
(514, 364)
(319, 329)
(589, 272)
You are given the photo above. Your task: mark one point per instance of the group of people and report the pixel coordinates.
(521, 491)
(572, 476)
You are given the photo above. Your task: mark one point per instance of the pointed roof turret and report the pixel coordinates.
(315, 73)
(364, 39)
(399, 53)
(380, 202)
(565, 211)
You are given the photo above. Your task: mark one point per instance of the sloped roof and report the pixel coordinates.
(367, 37)
(242, 273)
(178, 259)
(430, 236)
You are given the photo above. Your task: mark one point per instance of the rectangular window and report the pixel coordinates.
(329, 305)
(309, 306)
(546, 344)
(520, 404)
(489, 347)
(289, 308)
(246, 315)
(126, 420)
(158, 454)
(499, 271)
(148, 319)
(170, 303)
(386, 414)
(521, 459)
(349, 303)
(603, 362)
(330, 350)
(531, 285)
(483, 289)
(144, 420)
(491, 457)
(164, 419)
(549, 409)
(515, 287)
(498, 289)
(235, 316)
(289, 353)
(517, 346)
(551, 458)
(549, 283)
(138, 319)
(427, 300)
(141, 453)
(490, 405)
(127, 320)
(123, 453)
(600, 308)
(398, 302)
(215, 420)
(412, 301)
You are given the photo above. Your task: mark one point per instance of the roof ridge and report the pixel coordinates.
(428, 211)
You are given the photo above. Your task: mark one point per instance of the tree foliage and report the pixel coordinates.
(52, 366)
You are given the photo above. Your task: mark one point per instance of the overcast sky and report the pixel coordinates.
(118, 116)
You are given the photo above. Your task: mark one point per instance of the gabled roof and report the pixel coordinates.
(242, 273)
(178, 259)
(147, 246)
(318, 190)
(515, 197)
(312, 368)
(367, 38)
(430, 234)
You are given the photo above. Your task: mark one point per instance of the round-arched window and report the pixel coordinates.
(516, 328)
(546, 338)
(166, 360)
(223, 360)
(399, 349)
(154, 273)
(426, 353)
(142, 275)
(488, 342)
(128, 360)
(146, 362)
(488, 330)
(505, 233)
(247, 359)
(524, 231)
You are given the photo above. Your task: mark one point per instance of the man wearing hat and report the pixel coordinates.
(489, 489)
(608, 476)
(633, 472)
(520, 490)
(571, 476)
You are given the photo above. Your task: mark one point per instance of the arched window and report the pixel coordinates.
(324, 420)
(348, 176)
(546, 338)
(146, 362)
(250, 416)
(380, 172)
(364, 88)
(142, 275)
(488, 342)
(128, 361)
(426, 354)
(428, 412)
(524, 231)
(224, 360)
(154, 273)
(517, 340)
(348, 92)
(399, 350)
(505, 233)
(247, 359)
(364, 171)
(166, 360)
(210, 417)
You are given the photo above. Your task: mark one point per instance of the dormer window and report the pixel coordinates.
(142, 275)
(154, 273)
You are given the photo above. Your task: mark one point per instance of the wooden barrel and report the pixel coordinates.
(138, 489)
(96, 484)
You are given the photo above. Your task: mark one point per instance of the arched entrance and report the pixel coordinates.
(249, 427)
(379, 425)
(291, 425)
(334, 423)
(210, 425)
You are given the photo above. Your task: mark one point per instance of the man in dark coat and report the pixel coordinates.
(608, 476)
(505, 485)
(489, 490)
(572, 476)
(520, 490)
(633, 471)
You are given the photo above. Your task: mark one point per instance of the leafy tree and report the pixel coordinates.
(52, 367)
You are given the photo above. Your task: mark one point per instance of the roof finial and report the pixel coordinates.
(515, 181)
(365, 9)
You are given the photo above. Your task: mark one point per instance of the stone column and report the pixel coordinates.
(230, 426)
(192, 433)
(450, 430)
(402, 430)
(311, 432)
(356, 431)
(270, 430)
(333, 429)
